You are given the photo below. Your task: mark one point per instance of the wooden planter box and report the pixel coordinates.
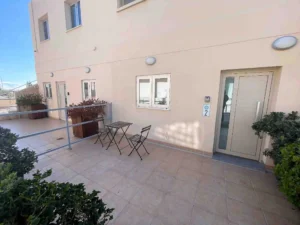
(84, 130)
(40, 115)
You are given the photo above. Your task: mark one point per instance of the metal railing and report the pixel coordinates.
(67, 126)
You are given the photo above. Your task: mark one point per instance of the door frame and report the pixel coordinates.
(237, 74)
(58, 97)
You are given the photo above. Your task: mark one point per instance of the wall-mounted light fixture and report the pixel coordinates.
(87, 69)
(51, 74)
(150, 60)
(284, 42)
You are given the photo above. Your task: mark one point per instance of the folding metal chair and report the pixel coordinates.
(102, 131)
(138, 140)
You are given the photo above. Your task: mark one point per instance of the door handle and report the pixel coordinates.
(257, 111)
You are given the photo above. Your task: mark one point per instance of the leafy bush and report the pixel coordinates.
(89, 111)
(283, 128)
(22, 161)
(29, 99)
(288, 172)
(36, 201)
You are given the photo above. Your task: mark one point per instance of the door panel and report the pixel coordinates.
(249, 107)
(244, 100)
(62, 99)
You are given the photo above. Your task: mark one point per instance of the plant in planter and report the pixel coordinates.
(34, 102)
(79, 115)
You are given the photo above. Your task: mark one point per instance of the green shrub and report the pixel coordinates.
(36, 201)
(288, 172)
(29, 99)
(22, 161)
(283, 128)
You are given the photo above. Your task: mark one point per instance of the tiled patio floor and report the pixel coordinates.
(169, 187)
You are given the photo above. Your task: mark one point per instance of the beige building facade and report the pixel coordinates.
(215, 71)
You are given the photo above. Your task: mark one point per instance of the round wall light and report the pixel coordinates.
(150, 61)
(87, 69)
(51, 74)
(284, 42)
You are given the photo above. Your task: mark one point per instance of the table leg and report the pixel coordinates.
(114, 140)
(124, 134)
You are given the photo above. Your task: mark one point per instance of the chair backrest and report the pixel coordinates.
(101, 119)
(145, 130)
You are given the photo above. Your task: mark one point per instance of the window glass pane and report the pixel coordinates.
(76, 14)
(50, 91)
(46, 30)
(144, 91)
(93, 89)
(127, 1)
(73, 15)
(86, 90)
(79, 13)
(161, 90)
(226, 110)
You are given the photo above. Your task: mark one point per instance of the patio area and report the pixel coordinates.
(169, 187)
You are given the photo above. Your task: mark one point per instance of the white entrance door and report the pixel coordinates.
(62, 99)
(244, 101)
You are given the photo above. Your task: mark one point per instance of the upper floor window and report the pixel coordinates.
(89, 89)
(44, 28)
(153, 91)
(47, 90)
(125, 2)
(73, 13)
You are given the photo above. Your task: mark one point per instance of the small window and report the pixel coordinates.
(73, 14)
(48, 90)
(125, 2)
(89, 89)
(153, 91)
(44, 28)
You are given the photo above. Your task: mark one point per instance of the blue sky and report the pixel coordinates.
(16, 53)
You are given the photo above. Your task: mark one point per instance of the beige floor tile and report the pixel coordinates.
(115, 202)
(148, 199)
(244, 214)
(68, 160)
(126, 189)
(108, 161)
(133, 215)
(149, 163)
(64, 175)
(243, 194)
(139, 174)
(94, 173)
(273, 219)
(211, 201)
(158, 220)
(78, 179)
(212, 183)
(202, 217)
(238, 178)
(176, 209)
(83, 165)
(109, 179)
(184, 190)
(161, 181)
(169, 168)
(213, 168)
(265, 182)
(124, 167)
(279, 206)
(189, 176)
(192, 162)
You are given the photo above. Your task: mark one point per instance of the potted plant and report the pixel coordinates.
(32, 102)
(79, 115)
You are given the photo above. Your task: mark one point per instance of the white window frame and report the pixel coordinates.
(122, 6)
(42, 20)
(48, 90)
(68, 14)
(152, 104)
(89, 82)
